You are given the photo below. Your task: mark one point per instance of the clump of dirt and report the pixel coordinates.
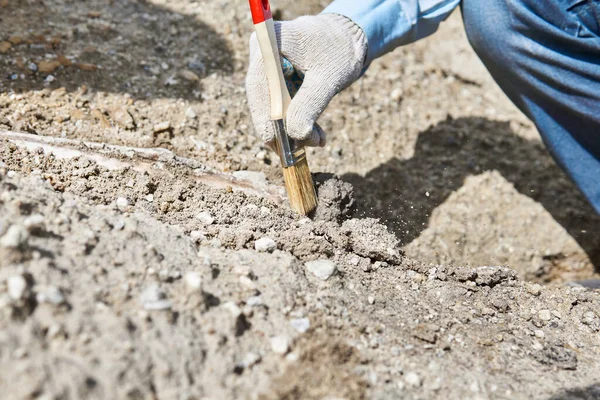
(336, 198)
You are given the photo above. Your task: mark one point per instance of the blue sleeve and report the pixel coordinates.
(392, 23)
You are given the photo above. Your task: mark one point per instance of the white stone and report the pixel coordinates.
(153, 299)
(35, 221)
(254, 301)
(412, 379)
(280, 344)
(247, 282)
(162, 126)
(15, 236)
(545, 315)
(205, 218)
(539, 333)
(193, 280)
(197, 236)
(190, 113)
(17, 286)
(233, 309)
(122, 203)
(300, 324)
(322, 269)
(265, 244)
(52, 295)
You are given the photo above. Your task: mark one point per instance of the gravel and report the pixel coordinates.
(265, 244)
(280, 344)
(15, 236)
(17, 287)
(205, 217)
(322, 269)
(412, 379)
(154, 299)
(193, 280)
(300, 324)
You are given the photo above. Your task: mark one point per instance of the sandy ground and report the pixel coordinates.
(452, 258)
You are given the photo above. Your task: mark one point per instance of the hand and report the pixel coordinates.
(329, 49)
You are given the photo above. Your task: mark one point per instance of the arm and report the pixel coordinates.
(388, 24)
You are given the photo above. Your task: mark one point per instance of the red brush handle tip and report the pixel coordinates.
(261, 11)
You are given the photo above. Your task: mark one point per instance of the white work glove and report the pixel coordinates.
(329, 49)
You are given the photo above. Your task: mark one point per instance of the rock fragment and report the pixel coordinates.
(17, 287)
(34, 222)
(48, 66)
(205, 217)
(189, 75)
(300, 324)
(153, 299)
(545, 315)
(15, 236)
(412, 379)
(52, 295)
(4, 47)
(280, 344)
(322, 269)
(265, 244)
(193, 280)
(122, 203)
(162, 126)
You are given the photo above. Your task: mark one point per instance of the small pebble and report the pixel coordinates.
(122, 203)
(193, 280)
(197, 236)
(15, 236)
(300, 324)
(371, 300)
(153, 299)
(265, 244)
(247, 282)
(412, 379)
(539, 333)
(533, 289)
(35, 221)
(545, 315)
(322, 269)
(17, 286)
(280, 344)
(233, 309)
(205, 218)
(162, 126)
(52, 295)
(254, 301)
(190, 113)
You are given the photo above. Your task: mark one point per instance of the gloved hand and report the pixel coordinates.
(329, 49)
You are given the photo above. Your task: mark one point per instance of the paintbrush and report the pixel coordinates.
(298, 180)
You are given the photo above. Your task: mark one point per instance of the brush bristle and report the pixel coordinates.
(300, 187)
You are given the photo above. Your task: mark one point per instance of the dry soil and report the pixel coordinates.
(451, 257)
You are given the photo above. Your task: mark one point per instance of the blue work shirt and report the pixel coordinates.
(391, 23)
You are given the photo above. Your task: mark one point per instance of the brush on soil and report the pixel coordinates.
(298, 180)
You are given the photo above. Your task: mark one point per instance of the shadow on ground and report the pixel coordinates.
(127, 46)
(589, 393)
(451, 151)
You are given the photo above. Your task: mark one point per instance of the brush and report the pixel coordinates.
(298, 180)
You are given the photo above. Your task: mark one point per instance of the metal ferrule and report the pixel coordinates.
(288, 151)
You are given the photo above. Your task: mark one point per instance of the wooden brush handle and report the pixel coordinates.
(267, 41)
